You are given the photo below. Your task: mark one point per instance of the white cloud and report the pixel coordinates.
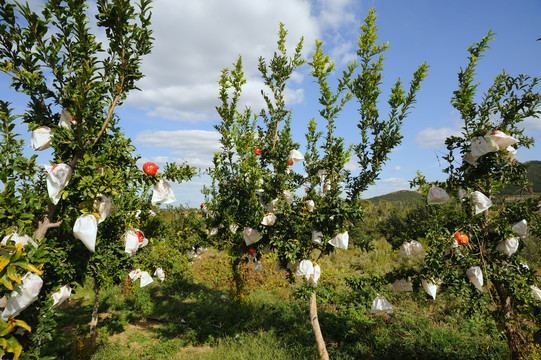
(396, 168)
(434, 138)
(195, 40)
(531, 123)
(396, 182)
(196, 147)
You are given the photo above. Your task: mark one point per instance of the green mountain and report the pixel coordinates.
(410, 198)
(405, 197)
(533, 174)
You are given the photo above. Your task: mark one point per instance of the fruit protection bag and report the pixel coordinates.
(60, 296)
(18, 239)
(295, 156)
(436, 196)
(159, 274)
(340, 241)
(57, 178)
(104, 206)
(250, 235)
(520, 228)
(145, 279)
(476, 277)
(412, 248)
(163, 193)
(41, 138)
(380, 304)
(86, 230)
(483, 145)
(30, 288)
(509, 246)
(481, 202)
(314, 277)
(430, 287)
(134, 274)
(316, 237)
(268, 219)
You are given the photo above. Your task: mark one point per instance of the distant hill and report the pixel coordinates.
(410, 198)
(406, 197)
(533, 174)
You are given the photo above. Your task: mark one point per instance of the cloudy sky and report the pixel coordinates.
(172, 118)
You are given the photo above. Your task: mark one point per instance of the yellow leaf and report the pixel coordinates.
(23, 324)
(3, 262)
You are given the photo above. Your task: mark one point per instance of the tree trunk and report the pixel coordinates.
(95, 316)
(517, 339)
(321, 348)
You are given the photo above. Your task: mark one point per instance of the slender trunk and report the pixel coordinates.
(95, 316)
(517, 339)
(321, 348)
(238, 281)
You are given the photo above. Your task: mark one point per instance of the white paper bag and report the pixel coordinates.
(131, 241)
(462, 194)
(272, 206)
(316, 237)
(41, 138)
(18, 239)
(402, 286)
(509, 246)
(66, 120)
(314, 277)
(60, 296)
(437, 195)
(481, 202)
(322, 175)
(288, 197)
(340, 241)
(250, 235)
(104, 206)
(145, 279)
(57, 178)
(233, 228)
(159, 274)
(536, 293)
(476, 277)
(502, 139)
(295, 156)
(380, 304)
(310, 205)
(163, 193)
(510, 153)
(213, 231)
(135, 274)
(30, 287)
(520, 228)
(305, 268)
(268, 219)
(412, 248)
(86, 229)
(430, 287)
(258, 266)
(483, 145)
(470, 159)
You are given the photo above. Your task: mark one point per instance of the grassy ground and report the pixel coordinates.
(189, 318)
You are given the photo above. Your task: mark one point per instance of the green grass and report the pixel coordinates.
(187, 318)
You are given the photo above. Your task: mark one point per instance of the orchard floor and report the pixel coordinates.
(194, 318)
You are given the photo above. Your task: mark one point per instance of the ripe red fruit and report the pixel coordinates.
(252, 251)
(140, 236)
(290, 162)
(257, 151)
(54, 167)
(202, 205)
(495, 132)
(150, 168)
(461, 238)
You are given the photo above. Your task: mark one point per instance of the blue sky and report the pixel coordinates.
(172, 118)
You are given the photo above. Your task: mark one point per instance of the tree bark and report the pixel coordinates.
(322, 349)
(95, 317)
(517, 339)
